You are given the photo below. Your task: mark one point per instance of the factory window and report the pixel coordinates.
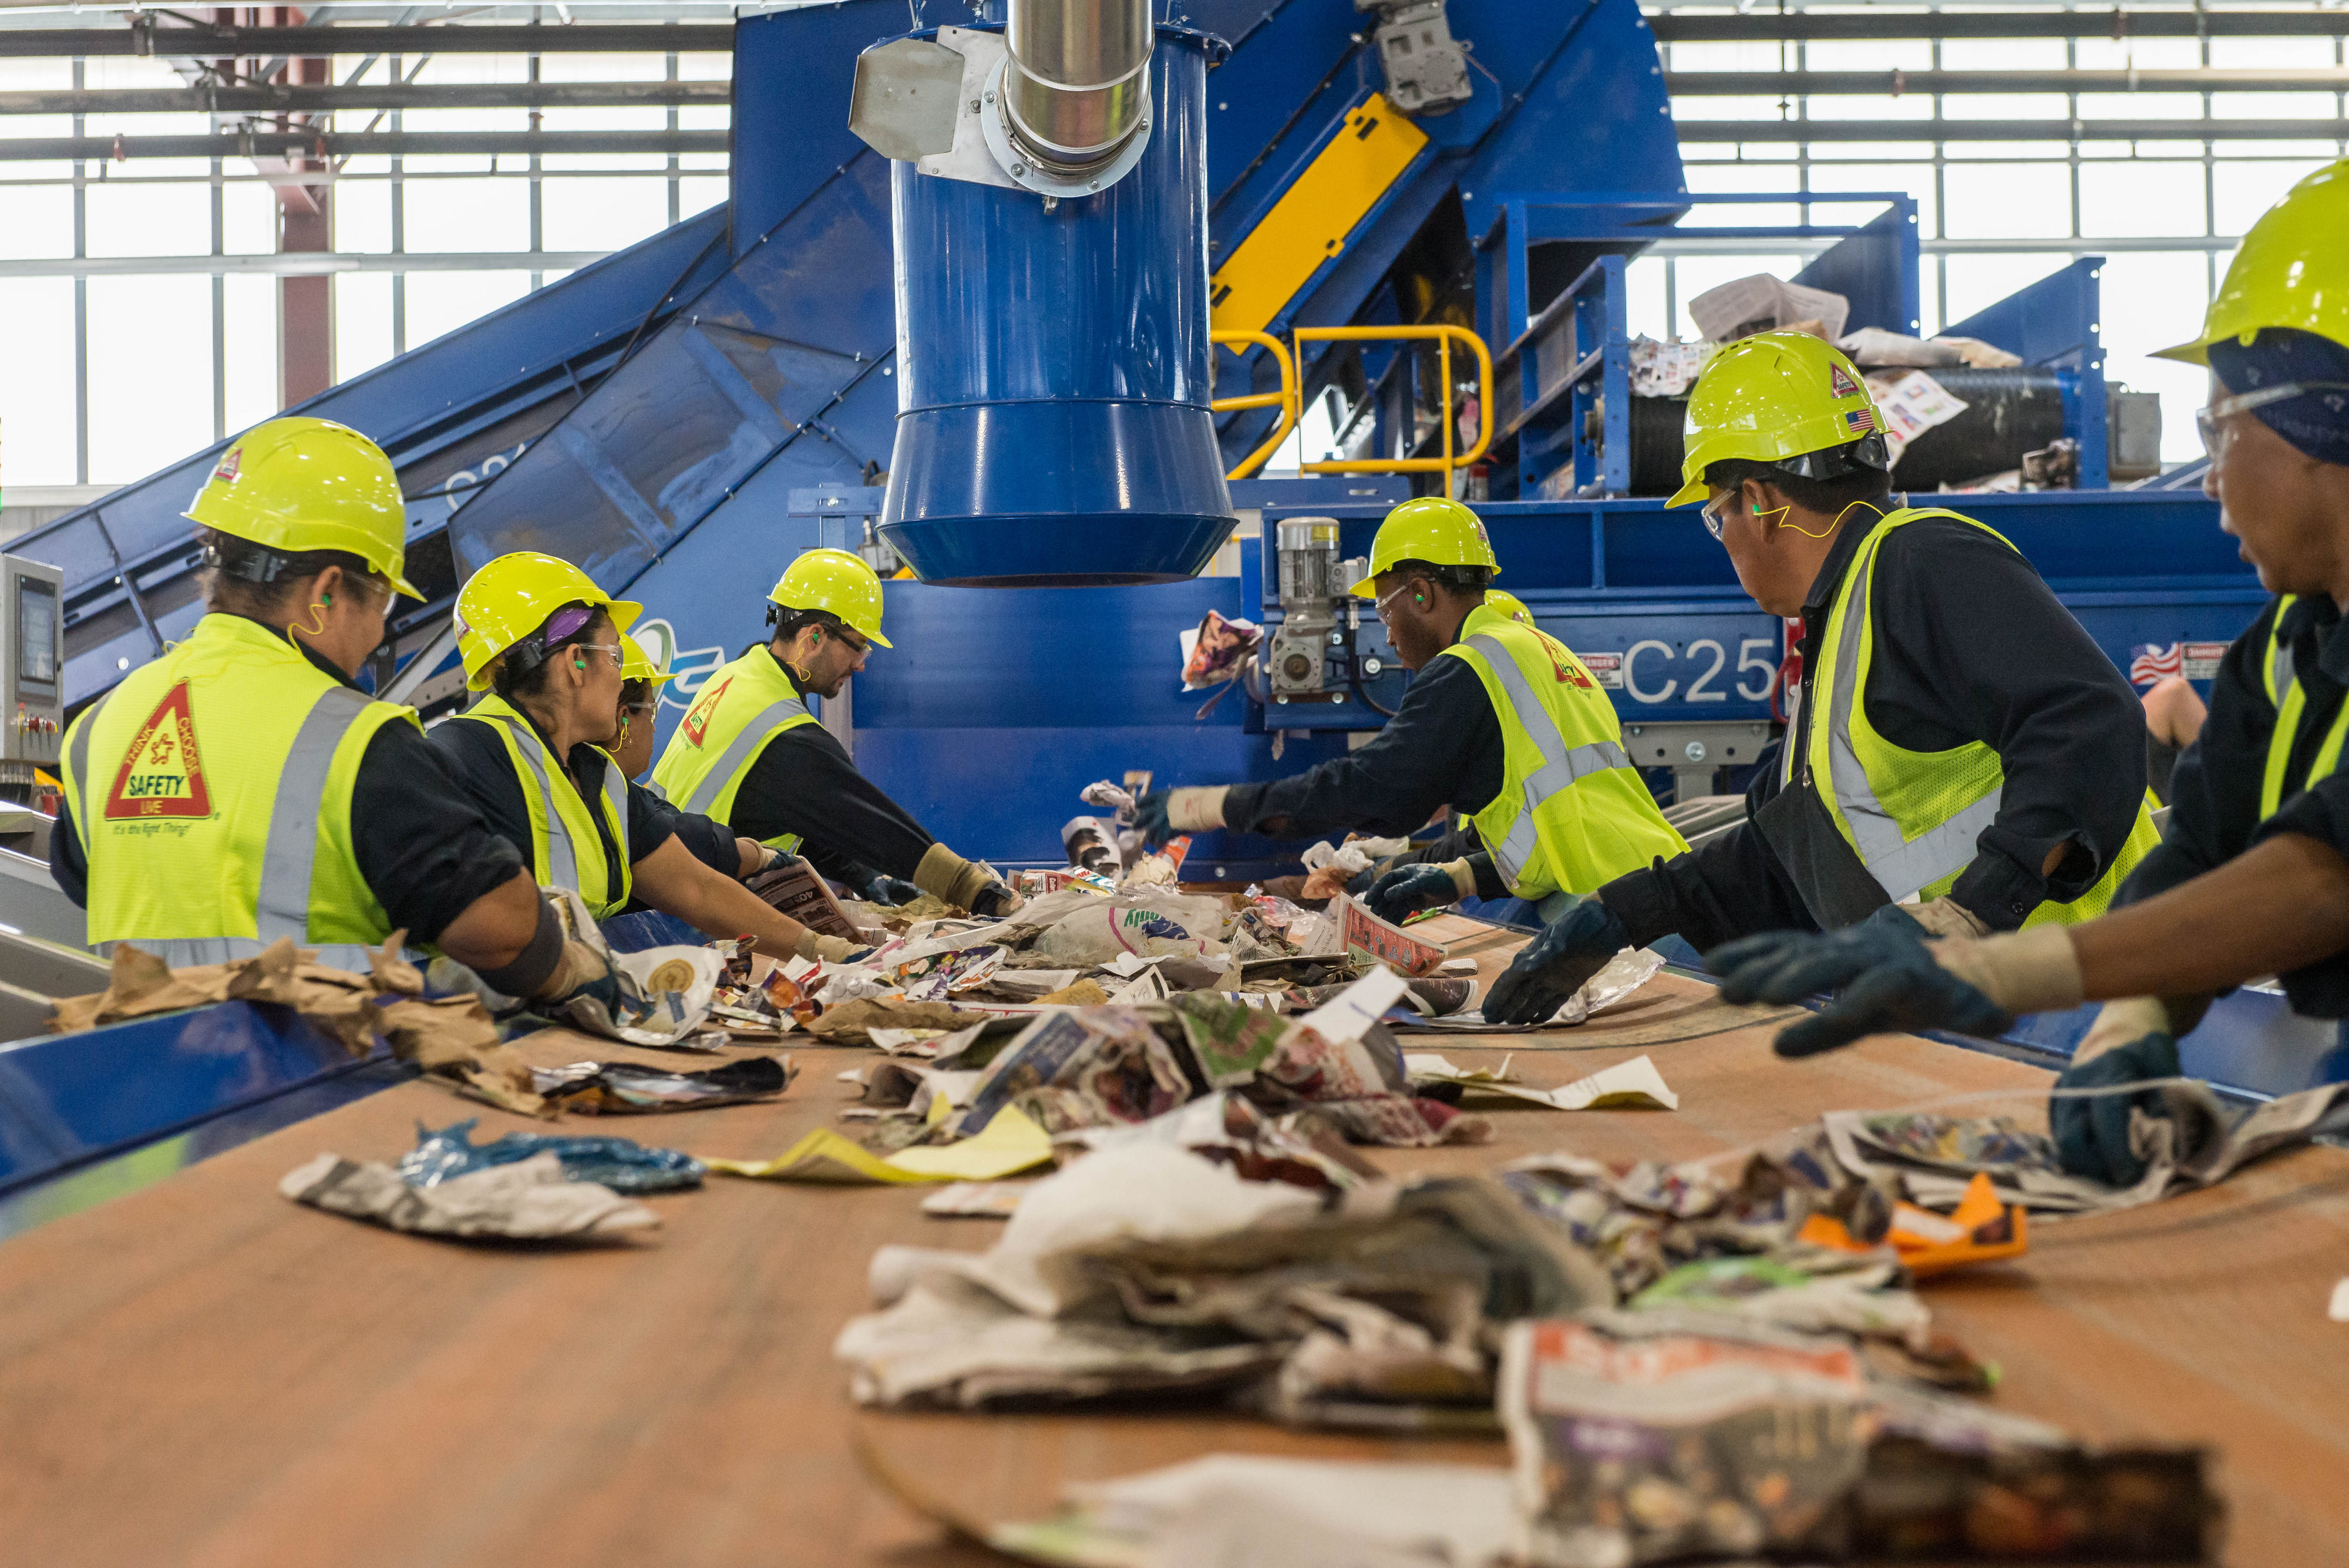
(2011, 179)
(142, 293)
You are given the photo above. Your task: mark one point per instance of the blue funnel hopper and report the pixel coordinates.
(1053, 363)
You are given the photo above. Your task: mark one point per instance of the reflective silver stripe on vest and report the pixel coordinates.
(287, 861)
(755, 734)
(1561, 765)
(1900, 864)
(561, 859)
(83, 808)
(188, 952)
(2281, 672)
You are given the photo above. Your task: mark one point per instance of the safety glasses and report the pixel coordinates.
(2207, 420)
(1380, 608)
(1715, 510)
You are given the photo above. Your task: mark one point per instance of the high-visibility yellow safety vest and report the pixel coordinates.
(565, 850)
(1912, 817)
(1573, 813)
(745, 705)
(212, 791)
(2290, 699)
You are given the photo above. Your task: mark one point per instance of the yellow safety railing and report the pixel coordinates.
(1287, 401)
(1444, 337)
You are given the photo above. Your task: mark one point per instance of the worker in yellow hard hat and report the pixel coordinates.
(542, 641)
(749, 754)
(2252, 877)
(241, 788)
(641, 680)
(1962, 753)
(1503, 723)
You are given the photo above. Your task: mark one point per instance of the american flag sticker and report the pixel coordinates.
(1859, 422)
(2149, 662)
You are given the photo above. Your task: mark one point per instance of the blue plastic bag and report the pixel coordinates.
(621, 1164)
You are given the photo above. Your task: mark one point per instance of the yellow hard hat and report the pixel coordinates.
(1508, 604)
(1768, 397)
(2292, 270)
(838, 583)
(512, 597)
(1434, 529)
(299, 483)
(635, 664)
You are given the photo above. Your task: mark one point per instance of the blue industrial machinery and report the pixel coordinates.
(1030, 405)
(1054, 371)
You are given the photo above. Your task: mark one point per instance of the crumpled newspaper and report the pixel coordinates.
(2199, 1144)
(1626, 972)
(526, 1201)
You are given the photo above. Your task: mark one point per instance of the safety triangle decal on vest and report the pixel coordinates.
(697, 721)
(163, 774)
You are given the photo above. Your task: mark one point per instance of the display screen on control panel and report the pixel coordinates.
(37, 641)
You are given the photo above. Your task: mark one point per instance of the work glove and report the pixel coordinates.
(890, 891)
(1407, 889)
(995, 900)
(829, 949)
(2092, 1132)
(580, 972)
(1550, 968)
(1164, 813)
(1888, 975)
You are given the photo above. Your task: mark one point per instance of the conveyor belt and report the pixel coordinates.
(204, 1371)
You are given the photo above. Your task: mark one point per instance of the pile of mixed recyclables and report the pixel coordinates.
(1087, 1010)
(1699, 1362)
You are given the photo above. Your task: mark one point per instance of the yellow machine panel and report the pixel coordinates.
(1310, 223)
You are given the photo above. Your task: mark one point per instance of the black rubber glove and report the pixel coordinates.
(1551, 968)
(1883, 973)
(995, 900)
(890, 890)
(1150, 819)
(2092, 1133)
(1407, 889)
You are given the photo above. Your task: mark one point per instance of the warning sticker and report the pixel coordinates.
(696, 718)
(228, 465)
(1567, 668)
(1607, 668)
(163, 775)
(1840, 384)
(2201, 660)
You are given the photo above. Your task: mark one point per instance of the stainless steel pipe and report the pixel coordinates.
(1074, 87)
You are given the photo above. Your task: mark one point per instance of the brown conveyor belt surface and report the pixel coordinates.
(203, 1372)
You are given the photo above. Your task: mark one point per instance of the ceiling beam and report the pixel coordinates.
(1674, 27)
(1749, 83)
(146, 36)
(271, 98)
(333, 144)
(1703, 130)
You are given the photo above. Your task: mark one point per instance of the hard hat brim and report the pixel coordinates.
(1368, 589)
(1694, 490)
(876, 637)
(2195, 351)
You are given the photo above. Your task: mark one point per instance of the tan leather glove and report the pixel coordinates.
(2033, 970)
(1947, 917)
(945, 875)
(1195, 808)
(825, 949)
(580, 968)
